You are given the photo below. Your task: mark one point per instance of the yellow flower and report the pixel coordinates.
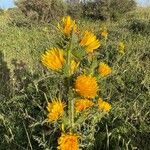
(86, 86)
(90, 42)
(74, 66)
(83, 104)
(102, 105)
(55, 110)
(67, 26)
(53, 59)
(104, 33)
(104, 69)
(68, 142)
(121, 48)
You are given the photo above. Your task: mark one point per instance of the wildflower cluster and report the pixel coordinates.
(76, 61)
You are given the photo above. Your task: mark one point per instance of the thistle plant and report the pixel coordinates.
(75, 60)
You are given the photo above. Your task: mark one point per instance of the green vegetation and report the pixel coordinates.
(25, 85)
(44, 11)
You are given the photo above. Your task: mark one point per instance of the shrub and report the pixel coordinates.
(17, 18)
(139, 26)
(75, 10)
(96, 10)
(42, 10)
(118, 8)
(108, 9)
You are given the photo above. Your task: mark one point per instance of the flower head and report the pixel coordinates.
(86, 86)
(121, 48)
(68, 142)
(104, 33)
(55, 110)
(83, 104)
(102, 105)
(74, 66)
(67, 26)
(90, 42)
(53, 59)
(104, 69)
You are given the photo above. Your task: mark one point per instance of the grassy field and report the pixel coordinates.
(24, 85)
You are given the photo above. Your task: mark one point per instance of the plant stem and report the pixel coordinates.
(70, 100)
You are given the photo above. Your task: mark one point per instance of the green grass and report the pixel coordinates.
(24, 43)
(23, 88)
